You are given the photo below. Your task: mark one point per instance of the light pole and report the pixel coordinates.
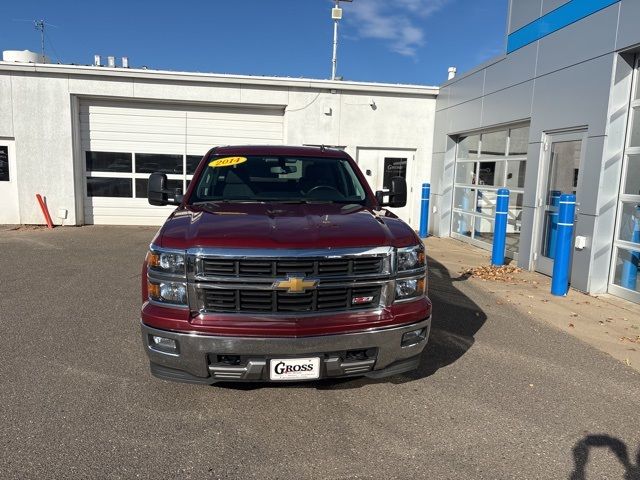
(336, 15)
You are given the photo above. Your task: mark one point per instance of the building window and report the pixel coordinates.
(393, 167)
(625, 271)
(485, 162)
(108, 162)
(126, 174)
(109, 187)
(4, 163)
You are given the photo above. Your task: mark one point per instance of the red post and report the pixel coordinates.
(45, 210)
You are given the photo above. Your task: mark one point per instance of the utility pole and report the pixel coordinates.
(336, 15)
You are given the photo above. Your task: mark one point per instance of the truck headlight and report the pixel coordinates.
(166, 262)
(408, 288)
(411, 258)
(174, 293)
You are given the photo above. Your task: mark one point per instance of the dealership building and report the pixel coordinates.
(554, 114)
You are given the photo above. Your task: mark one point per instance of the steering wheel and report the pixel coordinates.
(326, 189)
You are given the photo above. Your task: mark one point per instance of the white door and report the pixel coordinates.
(123, 143)
(379, 166)
(9, 211)
(562, 157)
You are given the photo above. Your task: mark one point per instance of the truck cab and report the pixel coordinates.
(280, 264)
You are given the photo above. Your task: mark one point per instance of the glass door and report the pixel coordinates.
(625, 269)
(563, 153)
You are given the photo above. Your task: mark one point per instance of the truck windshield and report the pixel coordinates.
(278, 179)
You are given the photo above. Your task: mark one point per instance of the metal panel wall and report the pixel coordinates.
(562, 81)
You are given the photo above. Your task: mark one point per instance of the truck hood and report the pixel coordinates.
(282, 225)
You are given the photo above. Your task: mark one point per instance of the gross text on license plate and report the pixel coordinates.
(294, 368)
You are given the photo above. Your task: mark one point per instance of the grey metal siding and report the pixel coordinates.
(572, 78)
(549, 5)
(523, 12)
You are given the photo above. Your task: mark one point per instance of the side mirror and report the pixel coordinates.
(158, 193)
(397, 194)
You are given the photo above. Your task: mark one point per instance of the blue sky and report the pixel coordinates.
(404, 41)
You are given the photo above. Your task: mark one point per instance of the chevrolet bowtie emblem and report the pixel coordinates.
(295, 285)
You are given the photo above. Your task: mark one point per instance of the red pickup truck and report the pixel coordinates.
(280, 264)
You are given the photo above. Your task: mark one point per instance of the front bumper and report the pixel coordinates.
(374, 353)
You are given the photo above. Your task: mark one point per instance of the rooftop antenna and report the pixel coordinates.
(40, 25)
(336, 15)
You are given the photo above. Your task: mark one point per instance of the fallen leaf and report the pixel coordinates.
(573, 314)
(571, 325)
(627, 362)
(504, 273)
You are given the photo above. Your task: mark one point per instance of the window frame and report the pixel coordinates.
(626, 198)
(477, 159)
(184, 177)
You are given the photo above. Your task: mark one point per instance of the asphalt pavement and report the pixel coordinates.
(497, 395)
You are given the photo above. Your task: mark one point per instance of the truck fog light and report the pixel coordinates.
(414, 337)
(163, 344)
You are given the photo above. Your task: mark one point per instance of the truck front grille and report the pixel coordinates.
(222, 267)
(265, 301)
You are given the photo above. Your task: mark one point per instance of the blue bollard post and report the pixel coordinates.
(424, 212)
(630, 265)
(500, 227)
(553, 223)
(564, 239)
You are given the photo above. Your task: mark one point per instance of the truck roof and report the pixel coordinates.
(277, 150)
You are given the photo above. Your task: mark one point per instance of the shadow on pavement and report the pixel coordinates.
(617, 447)
(456, 319)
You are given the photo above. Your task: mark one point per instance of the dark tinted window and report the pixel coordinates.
(109, 187)
(393, 167)
(156, 162)
(108, 162)
(192, 163)
(4, 163)
(142, 184)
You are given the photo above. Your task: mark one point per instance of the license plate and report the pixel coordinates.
(294, 368)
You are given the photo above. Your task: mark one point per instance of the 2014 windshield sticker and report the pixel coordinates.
(227, 162)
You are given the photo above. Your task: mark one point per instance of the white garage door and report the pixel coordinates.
(123, 143)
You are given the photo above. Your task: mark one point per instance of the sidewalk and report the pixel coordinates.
(606, 322)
